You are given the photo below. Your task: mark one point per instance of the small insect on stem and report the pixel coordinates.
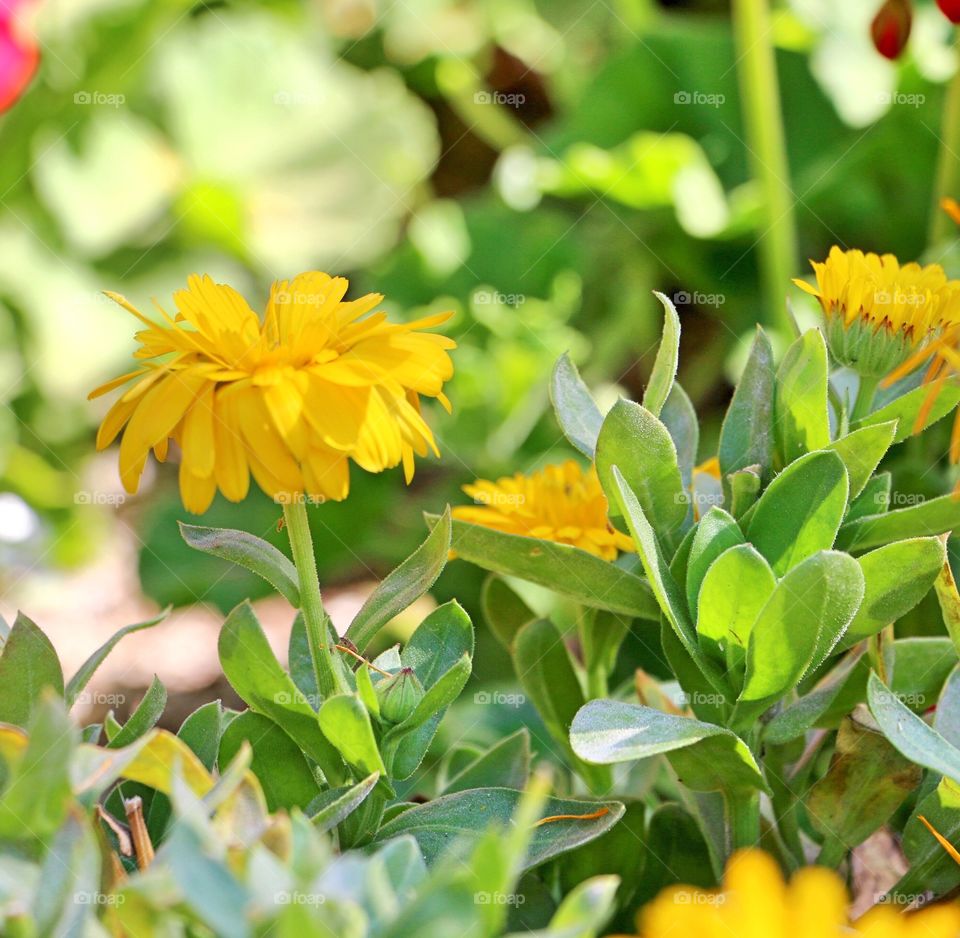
(280, 524)
(572, 817)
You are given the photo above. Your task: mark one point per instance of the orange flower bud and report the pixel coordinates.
(891, 28)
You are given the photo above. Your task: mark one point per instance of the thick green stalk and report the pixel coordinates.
(947, 183)
(766, 141)
(326, 669)
(743, 819)
(865, 395)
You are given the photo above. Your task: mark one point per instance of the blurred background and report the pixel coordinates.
(538, 167)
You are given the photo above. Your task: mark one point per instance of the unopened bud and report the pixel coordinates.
(399, 695)
(891, 27)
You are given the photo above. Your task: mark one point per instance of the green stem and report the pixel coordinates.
(832, 852)
(948, 163)
(329, 678)
(766, 141)
(865, 395)
(743, 819)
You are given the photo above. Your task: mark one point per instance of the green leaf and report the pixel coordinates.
(665, 589)
(918, 667)
(27, 666)
(906, 409)
(547, 676)
(255, 674)
(635, 441)
(873, 500)
(716, 532)
(747, 437)
(861, 452)
(577, 413)
(668, 357)
(247, 550)
(567, 570)
(438, 643)
(931, 867)
(949, 599)
(680, 419)
(841, 689)
(909, 734)
(806, 615)
(896, 578)
(936, 516)
(734, 590)
(800, 512)
(86, 671)
(346, 723)
(278, 763)
(801, 416)
(331, 807)
(144, 718)
(403, 586)
(586, 908)
(866, 782)
(37, 795)
(744, 488)
(505, 765)
(705, 756)
(468, 814)
(504, 610)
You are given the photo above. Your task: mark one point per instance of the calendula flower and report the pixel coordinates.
(290, 398)
(878, 313)
(560, 503)
(755, 902)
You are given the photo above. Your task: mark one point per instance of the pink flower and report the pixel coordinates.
(19, 55)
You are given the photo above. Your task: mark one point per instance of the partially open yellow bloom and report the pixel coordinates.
(755, 902)
(289, 398)
(879, 312)
(559, 503)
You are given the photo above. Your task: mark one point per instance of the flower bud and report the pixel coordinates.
(891, 27)
(950, 9)
(398, 695)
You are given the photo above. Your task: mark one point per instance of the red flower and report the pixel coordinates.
(19, 55)
(950, 9)
(891, 27)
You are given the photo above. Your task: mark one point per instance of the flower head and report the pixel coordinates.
(559, 503)
(755, 902)
(290, 398)
(878, 312)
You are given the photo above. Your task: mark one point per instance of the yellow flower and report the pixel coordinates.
(878, 312)
(559, 503)
(289, 399)
(755, 902)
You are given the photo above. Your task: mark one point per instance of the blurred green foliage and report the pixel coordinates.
(539, 167)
